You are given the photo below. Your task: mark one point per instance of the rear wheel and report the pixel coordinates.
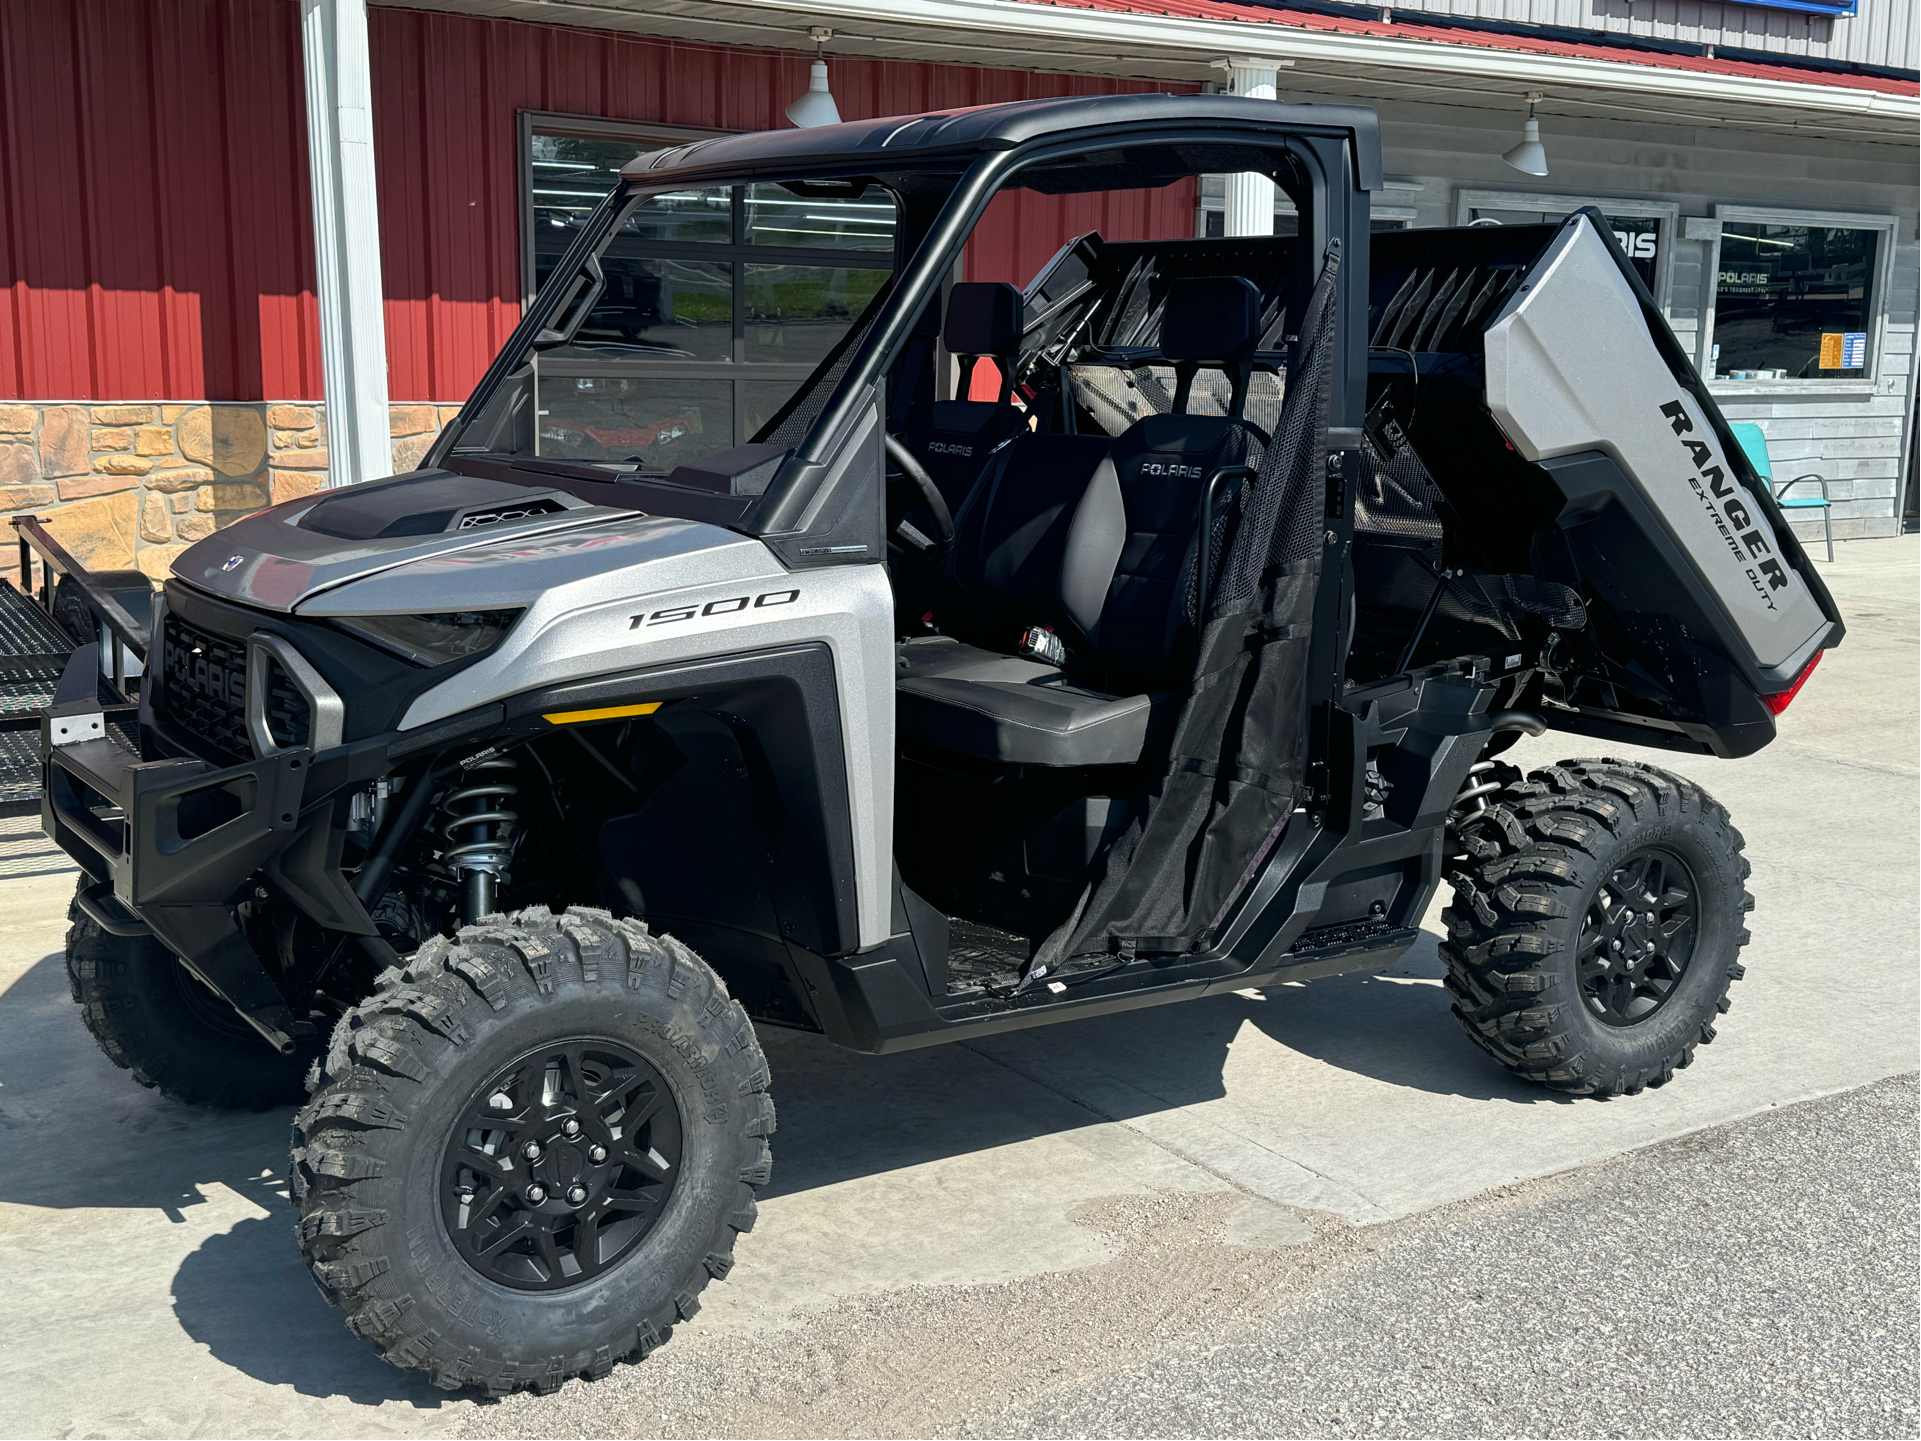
(1597, 925)
(152, 1018)
(532, 1149)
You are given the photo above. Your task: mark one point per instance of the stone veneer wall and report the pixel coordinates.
(130, 486)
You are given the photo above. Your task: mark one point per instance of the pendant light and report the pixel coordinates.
(816, 106)
(1529, 157)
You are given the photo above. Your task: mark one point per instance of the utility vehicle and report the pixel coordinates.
(1012, 656)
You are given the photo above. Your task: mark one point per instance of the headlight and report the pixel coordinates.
(433, 639)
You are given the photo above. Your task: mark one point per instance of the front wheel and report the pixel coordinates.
(1597, 925)
(532, 1149)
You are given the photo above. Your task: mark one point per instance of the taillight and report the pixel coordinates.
(1780, 700)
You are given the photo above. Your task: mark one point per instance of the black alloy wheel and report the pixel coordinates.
(1639, 936)
(530, 1150)
(560, 1165)
(1600, 908)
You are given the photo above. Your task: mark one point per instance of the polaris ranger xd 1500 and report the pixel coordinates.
(499, 801)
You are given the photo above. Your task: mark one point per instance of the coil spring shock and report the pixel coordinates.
(1487, 775)
(1482, 780)
(481, 832)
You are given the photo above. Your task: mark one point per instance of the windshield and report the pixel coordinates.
(696, 320)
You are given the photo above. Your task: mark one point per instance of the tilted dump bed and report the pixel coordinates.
(1531, 415)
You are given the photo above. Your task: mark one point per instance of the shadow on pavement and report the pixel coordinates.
(79, 1132)
(245, 1296)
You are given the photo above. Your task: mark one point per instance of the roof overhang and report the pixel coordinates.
(1321, 58)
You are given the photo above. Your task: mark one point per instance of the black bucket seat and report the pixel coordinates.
(1103, 542)
(956, 439)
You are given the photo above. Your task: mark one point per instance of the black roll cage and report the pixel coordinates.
(1330, 185)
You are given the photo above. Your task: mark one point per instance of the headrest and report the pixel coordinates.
(1211, 319)
(984, 317)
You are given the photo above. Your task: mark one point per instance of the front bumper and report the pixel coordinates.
(169, 844)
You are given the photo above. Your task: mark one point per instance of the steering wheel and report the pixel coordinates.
(903, 536)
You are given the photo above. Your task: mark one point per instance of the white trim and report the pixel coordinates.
(1247, 197)
(1668, 212)
(346, 222)
(1868, 382)
(1116, 31)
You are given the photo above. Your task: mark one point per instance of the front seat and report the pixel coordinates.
(956, 439)
(1124, 592)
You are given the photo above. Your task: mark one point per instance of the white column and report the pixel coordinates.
(1250, 197)
(346, 222)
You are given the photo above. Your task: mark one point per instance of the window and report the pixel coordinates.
(715, 303)
(1796, 296)
(1644, 228)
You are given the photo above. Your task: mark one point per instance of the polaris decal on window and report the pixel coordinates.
(733, 605)
(1727, 503)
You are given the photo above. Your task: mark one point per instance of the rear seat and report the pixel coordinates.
(1098, 541)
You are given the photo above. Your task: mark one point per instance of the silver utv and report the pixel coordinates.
(485, 810)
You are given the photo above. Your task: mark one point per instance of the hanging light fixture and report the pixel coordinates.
(1529, 157)
(816, 106)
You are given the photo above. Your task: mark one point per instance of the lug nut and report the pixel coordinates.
(501, 1101)
(570, 1127)
(531, 1150)
(1649, 917)
(576, 1194)
(1615, 944)
(596, 1154)
(536, 1193)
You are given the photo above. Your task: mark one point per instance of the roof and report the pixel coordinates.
(1405, 26)
(907, 142)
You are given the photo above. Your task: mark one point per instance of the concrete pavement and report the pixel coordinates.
(154, 1288)
(1755, 1279)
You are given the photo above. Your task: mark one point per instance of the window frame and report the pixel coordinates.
(736, 253)
(1667, 212)
(1877, 318)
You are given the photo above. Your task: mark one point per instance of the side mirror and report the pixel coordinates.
(583, 294)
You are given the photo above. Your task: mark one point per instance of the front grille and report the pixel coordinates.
(205, 693)
(206, 688)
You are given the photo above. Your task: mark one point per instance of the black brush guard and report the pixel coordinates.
(168, 844)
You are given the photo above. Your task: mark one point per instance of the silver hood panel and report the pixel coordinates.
(270, 561)
(619, 554)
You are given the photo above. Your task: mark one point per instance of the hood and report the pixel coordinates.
(279, 558)
(631, 555)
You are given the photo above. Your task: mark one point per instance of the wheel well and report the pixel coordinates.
(721, 817)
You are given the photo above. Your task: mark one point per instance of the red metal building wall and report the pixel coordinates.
(155, 240)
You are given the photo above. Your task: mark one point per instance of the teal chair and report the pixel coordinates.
(1755, 442)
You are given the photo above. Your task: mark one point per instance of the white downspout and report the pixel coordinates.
(1249, 206)
(340, 147)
